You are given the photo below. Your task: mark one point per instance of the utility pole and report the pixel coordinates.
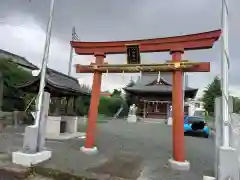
(74, 38)
(71, 56)
(224, 73)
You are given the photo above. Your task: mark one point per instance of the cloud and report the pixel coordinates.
(117, 20)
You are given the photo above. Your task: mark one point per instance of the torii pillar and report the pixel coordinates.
(89, 146)
(178, 160)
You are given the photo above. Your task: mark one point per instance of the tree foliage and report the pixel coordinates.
(213, 90)
(12, 74)
(83, 102)
(129, 100)
(110, 105)
(82, 105)
(116, 93)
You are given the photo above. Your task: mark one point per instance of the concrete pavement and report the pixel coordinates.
(130, 151)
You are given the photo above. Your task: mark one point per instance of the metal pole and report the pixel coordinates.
(71, 54)
(44, 66)
(70, 61)
(224, 73)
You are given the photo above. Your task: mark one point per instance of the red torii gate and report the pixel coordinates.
(175, 45)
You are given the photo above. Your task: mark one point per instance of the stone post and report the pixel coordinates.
(43, 122)
(34, 139)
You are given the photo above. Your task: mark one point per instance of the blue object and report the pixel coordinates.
(190, 120)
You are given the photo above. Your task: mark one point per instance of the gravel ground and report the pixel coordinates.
(154, 143)
(143, 148)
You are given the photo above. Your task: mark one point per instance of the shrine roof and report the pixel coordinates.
(161, 88)
(59, 82)
(21, 61)
(62, 82)
(148, 84)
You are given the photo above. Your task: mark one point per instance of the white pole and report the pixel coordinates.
(70, 62)
(44, 66)
(224, 73)
(71, 54)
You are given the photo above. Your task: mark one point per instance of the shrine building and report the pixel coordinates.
(154, 95)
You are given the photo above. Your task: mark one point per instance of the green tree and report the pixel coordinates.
(116, 93)
(129, 99)
(12, 74)
(83, 102)
(212, 91)
(109, 105)
(82, 105)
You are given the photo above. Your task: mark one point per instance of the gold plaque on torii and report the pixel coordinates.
(133, 54)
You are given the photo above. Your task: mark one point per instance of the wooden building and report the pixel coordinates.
(154, 95)
(64, 90)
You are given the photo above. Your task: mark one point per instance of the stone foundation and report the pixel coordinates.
(59, 125)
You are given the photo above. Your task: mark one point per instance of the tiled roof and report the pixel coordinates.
(18, 59)
(53, 77)
(63, 81)
(154, 88)
(59, 81)
(147, 84)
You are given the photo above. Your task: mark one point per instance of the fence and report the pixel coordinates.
(227, 161)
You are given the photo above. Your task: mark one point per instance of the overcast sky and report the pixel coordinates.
(23, 24)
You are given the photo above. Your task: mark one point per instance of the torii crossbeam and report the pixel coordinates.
(169, 66)
(175, 45)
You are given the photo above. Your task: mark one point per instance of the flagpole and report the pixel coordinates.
(44, 68)
(71, 54)
(224, 73)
